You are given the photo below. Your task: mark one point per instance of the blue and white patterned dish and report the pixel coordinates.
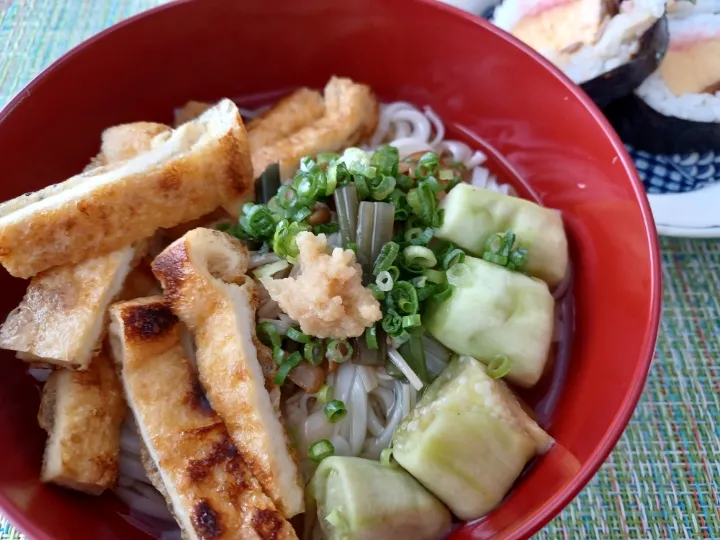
(684, 192)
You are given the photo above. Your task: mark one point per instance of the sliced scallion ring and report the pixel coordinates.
(499, 366)
(321, 449)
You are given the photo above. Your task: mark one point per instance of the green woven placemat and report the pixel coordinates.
(662, 480)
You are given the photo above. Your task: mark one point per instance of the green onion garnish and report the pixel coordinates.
(324, 394)
(404, 298)
(301, 214)
(363, 190)
(313, 352)
(499, 366)
(386, 457)
(518, 259)
(453, 257)
(268, 334)
(382, 187)
(270, 269)
(458, 274)
(384, 281)
(394, 272)
(338, 350)
(286, 197)
(257, 221)
(297, 335)
(446, 174)
(411, 321)
(326, 228)
(321, 449)
(278, 355)
(434, 276)
(419, 282)
(388, 254)
(377, 293)
(419, 256)
(494, 258)
(392, 323)
(287, 364)
(335, 411)
(427, 165)
(371, 338)
(352, 246)
(443, 295)
(418, 236)
(386, 160)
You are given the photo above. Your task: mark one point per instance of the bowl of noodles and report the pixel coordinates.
(313, 270)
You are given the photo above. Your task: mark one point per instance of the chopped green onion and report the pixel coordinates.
(494, 258)
(268, 334)
(377, 293)
(386, 457)
(382, 187)
(495, 243)
(419, 282)
(386, 258)
(278, 355)
(518, 259)
(419, 256)
(427, 165)
(411, 321)
(434, 276)
(297, 335)
(418, 236)
(426, 292)
(443, 295)
(404, 297)
(338, 350)
(384, 281)
(287, 364)
(436, 186)
(346, 204)
(371, 338)
(358, 163)
(325, 158)
(339, 523)
(423, 202)
(499, 366)
(326, 228)
(302, 214)
(404, 182)
(446, 174)
(458, 274)
(286, 197)
(453, 257)
(392, 322)
(324, 394)
(452, 183)
(439, 218)
(257, 221)
(268, 184)
(394, 273)
(386, 160)
(313, 352)
(319, 450)
(284, 244)
(270, 269)
(363, 190)
(352, 246)
(335, 411)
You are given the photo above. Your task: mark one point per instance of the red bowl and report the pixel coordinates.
(483, 84)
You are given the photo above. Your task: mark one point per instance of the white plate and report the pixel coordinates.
(695, 214)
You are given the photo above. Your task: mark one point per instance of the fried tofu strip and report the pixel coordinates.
(200, 273)
(287, 116)
(350, 116)
(126, 141)
(209, 487)
(190, 111)
(61, 319)
(82, 413)
(201, 165)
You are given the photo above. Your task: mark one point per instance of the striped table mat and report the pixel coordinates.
(662, 480)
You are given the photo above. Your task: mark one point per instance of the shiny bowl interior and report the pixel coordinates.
(540, 130)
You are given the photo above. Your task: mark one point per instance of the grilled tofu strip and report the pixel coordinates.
(61, 319)
(287, 116)
(209, 486)
(200, 273)
(201, 165)
(82, 413)
(351, 115)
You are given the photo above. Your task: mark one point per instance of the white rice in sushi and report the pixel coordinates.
(617, 43)
(701, 106)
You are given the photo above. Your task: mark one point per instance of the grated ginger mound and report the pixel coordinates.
(327, 298)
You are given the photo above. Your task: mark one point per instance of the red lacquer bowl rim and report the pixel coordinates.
(532, 523)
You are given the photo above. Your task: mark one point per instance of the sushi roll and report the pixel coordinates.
(677, 108)
(605, 47)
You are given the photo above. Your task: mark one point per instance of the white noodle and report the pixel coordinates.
(140, 503)
(367, 374)
(437, 125)
(39, 374)
(259, 259)
(130, 442)
(397, 359)
(130, 466)
(478, 158)
(358, 410)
